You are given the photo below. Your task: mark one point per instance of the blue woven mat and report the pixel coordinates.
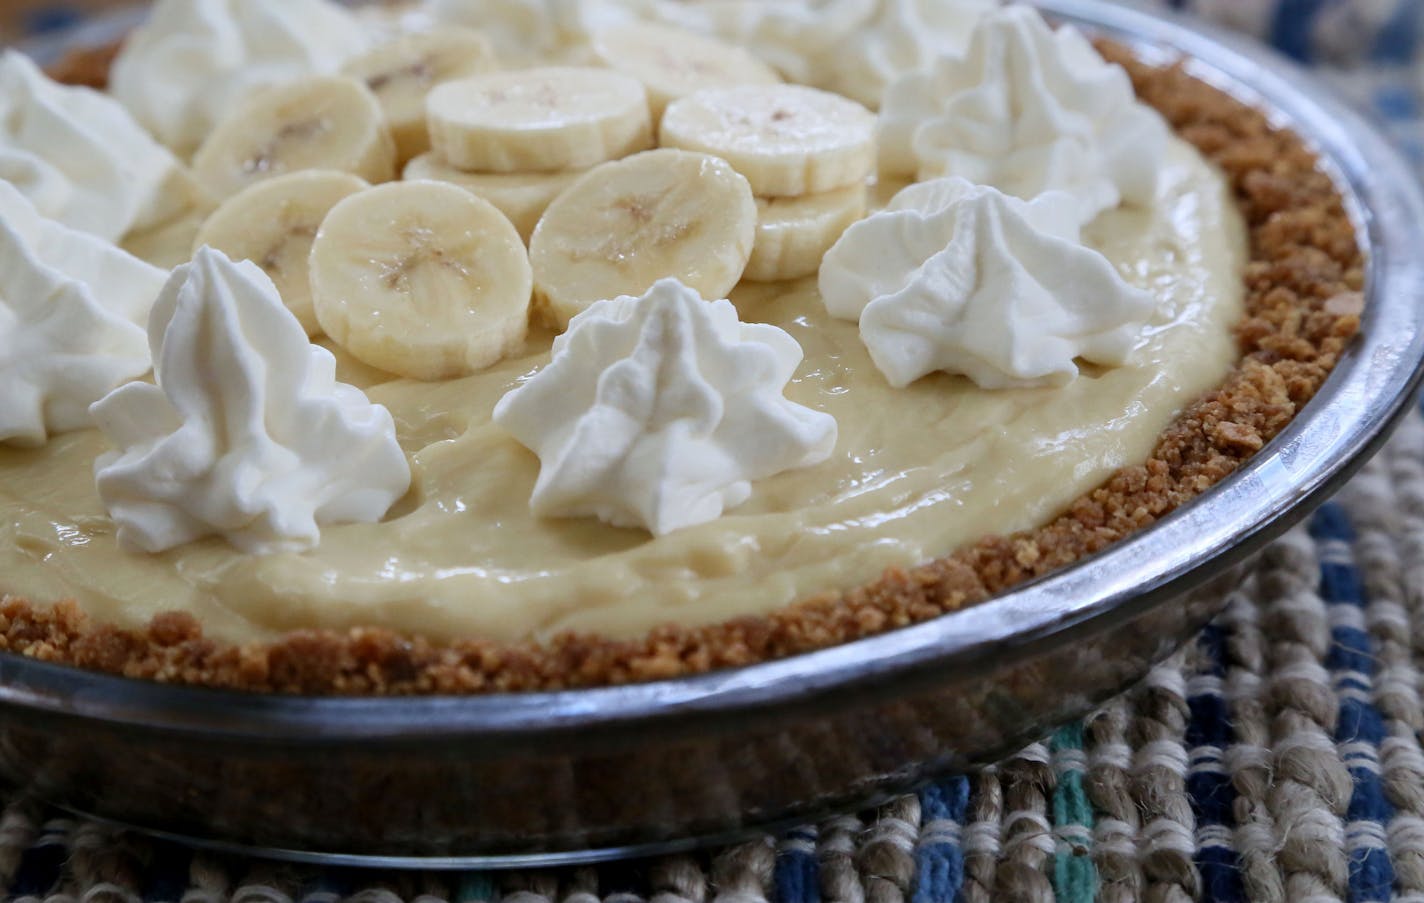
(1277, 758)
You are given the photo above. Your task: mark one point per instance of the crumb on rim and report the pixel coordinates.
(1303, 302)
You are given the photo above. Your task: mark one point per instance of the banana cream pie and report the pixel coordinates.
(496, 346)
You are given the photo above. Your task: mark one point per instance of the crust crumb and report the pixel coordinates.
(86, 66)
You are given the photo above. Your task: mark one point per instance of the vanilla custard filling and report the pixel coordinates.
(917, 472)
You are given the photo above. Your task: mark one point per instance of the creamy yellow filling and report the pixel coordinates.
(916, 473)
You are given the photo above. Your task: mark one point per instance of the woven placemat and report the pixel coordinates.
(1277, 758)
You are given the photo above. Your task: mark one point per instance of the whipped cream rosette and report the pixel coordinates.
(194, 61)
(854, 47)
(70, 309)
(965, 279)
(77, 155)
(792, 35)
(247, 434)
(903, 36)
(531, 32)
(1026, 109)
(660, 411)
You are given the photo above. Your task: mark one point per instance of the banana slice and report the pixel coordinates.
(539, 120)
(421, 279)
(673, 63)
(402, 73)
(521, 196)
(793, 234)
(625, 225)
(326, 122)
(274, 223)
(788, 140)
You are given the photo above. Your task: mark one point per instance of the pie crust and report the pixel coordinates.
(1303, 301)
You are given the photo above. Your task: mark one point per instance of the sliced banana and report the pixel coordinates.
(402, 73)
(788, 140)
(421, 279)
(539, 120)
(274, 223)
(325, 122)
(793, 234)
(627, 224)
(673, 63)
(521, 196)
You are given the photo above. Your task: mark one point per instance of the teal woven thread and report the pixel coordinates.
(475, 887)
(1075, 877)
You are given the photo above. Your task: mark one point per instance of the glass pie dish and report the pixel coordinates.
(551, 777)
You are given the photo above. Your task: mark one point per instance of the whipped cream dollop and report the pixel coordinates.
(1027, 110)
(533, 32)
(386, 23)
(965, 279)
(660, 411)
(903, 36)
(78, 155)
(71, 305)
(194, 61)
(854, 47)
(247, 434)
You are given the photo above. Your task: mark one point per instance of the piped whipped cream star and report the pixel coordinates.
(661, 411)
(964, 279)
(71, 306)
(247, 434)
(1026, 109)
(533, 32)
(78, 155)
(194, 61)
(853, 47)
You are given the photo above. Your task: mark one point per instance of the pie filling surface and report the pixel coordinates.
(917, 473)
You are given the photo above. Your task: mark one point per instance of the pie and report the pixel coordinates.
(520, 607)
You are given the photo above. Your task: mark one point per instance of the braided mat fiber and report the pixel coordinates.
(1276, 758)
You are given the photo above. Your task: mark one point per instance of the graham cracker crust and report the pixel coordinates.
(1303, 305)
